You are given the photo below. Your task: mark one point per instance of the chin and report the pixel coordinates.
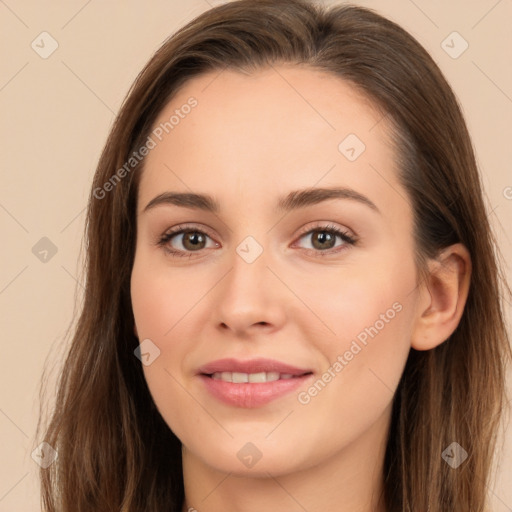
(250, 459)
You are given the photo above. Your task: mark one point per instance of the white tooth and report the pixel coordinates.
(240, 377)
(258, 377)
(226, 376)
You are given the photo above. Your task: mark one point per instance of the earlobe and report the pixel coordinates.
(442, 297)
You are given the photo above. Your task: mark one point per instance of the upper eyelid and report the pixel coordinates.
(327, 226)
(181, 228)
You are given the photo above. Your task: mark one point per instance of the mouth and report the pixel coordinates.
(252, 390)
(239, 371)
(253, 378)
(251, 383)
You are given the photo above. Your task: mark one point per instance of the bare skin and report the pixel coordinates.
(251, 140)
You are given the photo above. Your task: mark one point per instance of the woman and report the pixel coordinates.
(362, 371)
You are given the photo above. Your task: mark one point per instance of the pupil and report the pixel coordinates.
(323, 237)
(193, 238)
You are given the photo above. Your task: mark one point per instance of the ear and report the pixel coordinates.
(442, 297)
(135, 331)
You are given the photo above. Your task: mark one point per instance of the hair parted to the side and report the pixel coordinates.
(115, 452)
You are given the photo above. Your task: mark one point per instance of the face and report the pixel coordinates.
(324, 283)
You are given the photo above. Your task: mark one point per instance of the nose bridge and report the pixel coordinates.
(248, 294)
(248, 277)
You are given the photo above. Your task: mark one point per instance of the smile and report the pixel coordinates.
(250, 390)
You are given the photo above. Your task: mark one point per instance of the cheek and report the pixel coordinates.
(159, 300)
(368, 319)
(354, 302)
(363, 365)
(162, 303)
(158, 305)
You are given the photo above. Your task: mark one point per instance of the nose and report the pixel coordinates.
(250, 298)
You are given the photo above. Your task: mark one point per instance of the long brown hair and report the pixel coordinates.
(115, 452)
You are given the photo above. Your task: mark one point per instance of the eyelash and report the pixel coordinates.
(329, 228)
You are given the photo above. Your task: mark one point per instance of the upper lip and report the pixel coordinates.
(251, 366)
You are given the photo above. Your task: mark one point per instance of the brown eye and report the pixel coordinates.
(323, 239)
(193, 240)
(184, 241)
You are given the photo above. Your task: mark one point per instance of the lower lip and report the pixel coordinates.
(251, 395)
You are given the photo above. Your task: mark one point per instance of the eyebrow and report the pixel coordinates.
(292, 201)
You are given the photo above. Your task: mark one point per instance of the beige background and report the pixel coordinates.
(56, 114)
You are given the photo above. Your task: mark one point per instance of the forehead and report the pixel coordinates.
(282, 127)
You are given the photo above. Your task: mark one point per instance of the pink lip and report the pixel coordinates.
(252, 366)
(248, 394)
